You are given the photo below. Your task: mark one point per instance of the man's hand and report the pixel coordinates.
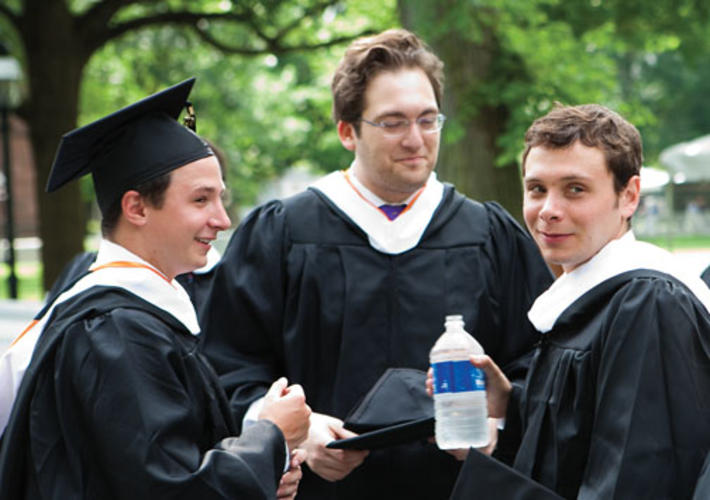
(288, 486)
(462, 453)
(286, 407)
(498, 390)
(498, 387)
(330, 464)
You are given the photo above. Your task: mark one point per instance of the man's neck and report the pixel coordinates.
(133, 242)
(378, 196)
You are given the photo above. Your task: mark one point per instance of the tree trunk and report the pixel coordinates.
(55, 60)
(468, 161)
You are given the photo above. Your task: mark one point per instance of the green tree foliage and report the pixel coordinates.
(508, 62)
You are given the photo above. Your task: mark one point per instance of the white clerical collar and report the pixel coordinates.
(616, 257)
(122, 268)
(388, 236)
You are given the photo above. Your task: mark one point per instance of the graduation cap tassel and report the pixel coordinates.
(190, 119)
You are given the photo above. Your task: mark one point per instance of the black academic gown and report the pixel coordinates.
(300, 292)
(118, 404)
(617, 400)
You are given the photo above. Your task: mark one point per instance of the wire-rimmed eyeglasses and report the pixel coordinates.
(397, 127)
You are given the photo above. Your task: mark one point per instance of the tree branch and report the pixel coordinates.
(176, 17)
(308, 12)
(274, 47)
(245, 51)
(273, 44)
(104, 10)
(10, 15)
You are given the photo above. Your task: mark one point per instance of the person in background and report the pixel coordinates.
(617, 400)
(107, 395)
(355, 275)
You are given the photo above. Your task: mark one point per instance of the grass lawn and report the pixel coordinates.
(679, 242)
(29, 280)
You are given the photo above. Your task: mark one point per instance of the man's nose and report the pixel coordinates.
(551, 208)
(413, 137)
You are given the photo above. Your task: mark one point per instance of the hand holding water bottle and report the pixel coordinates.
(498, 387)
(460, 410)
(498, 390)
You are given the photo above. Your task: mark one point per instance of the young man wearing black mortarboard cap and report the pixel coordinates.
(105, 394)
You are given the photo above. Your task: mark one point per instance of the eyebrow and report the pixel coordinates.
(400, 114)
(206, 189)
(567, 178)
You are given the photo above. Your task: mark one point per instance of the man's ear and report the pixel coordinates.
(134, 208)
(630, 197)
(346, 133)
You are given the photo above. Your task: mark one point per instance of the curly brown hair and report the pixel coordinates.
(367, 57)
(594, 126)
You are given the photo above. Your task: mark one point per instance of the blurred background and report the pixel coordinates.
(262, 95)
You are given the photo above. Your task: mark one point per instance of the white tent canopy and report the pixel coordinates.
(688, 161)
(653, 179)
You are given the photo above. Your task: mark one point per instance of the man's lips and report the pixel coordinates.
(554, 237)
(411, 159)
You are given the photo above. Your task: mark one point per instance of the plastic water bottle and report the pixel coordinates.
(460, 409)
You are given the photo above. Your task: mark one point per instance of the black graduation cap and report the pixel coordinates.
(396, 410)
(133, 145)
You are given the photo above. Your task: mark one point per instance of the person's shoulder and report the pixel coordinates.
(290, 206)
(457, 221)
(654, 291)
(100, 306)
(658, 280)
(488, 217)
(491, 210)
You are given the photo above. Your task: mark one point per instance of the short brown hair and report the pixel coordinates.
(596, 127)
(366, 57)
(153, 191)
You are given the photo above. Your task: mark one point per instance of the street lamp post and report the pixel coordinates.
(9, 76)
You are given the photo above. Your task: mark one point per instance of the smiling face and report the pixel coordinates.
(394, 167)
(570, 206)
(180, 231)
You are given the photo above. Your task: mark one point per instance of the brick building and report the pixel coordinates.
(24, 196)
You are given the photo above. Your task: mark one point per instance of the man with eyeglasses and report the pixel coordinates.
(355, 275)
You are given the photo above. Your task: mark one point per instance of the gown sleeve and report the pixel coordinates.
(242, 316)
(140, 408)
(650, 435)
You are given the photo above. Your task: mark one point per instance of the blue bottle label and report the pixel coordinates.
(457, 376)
